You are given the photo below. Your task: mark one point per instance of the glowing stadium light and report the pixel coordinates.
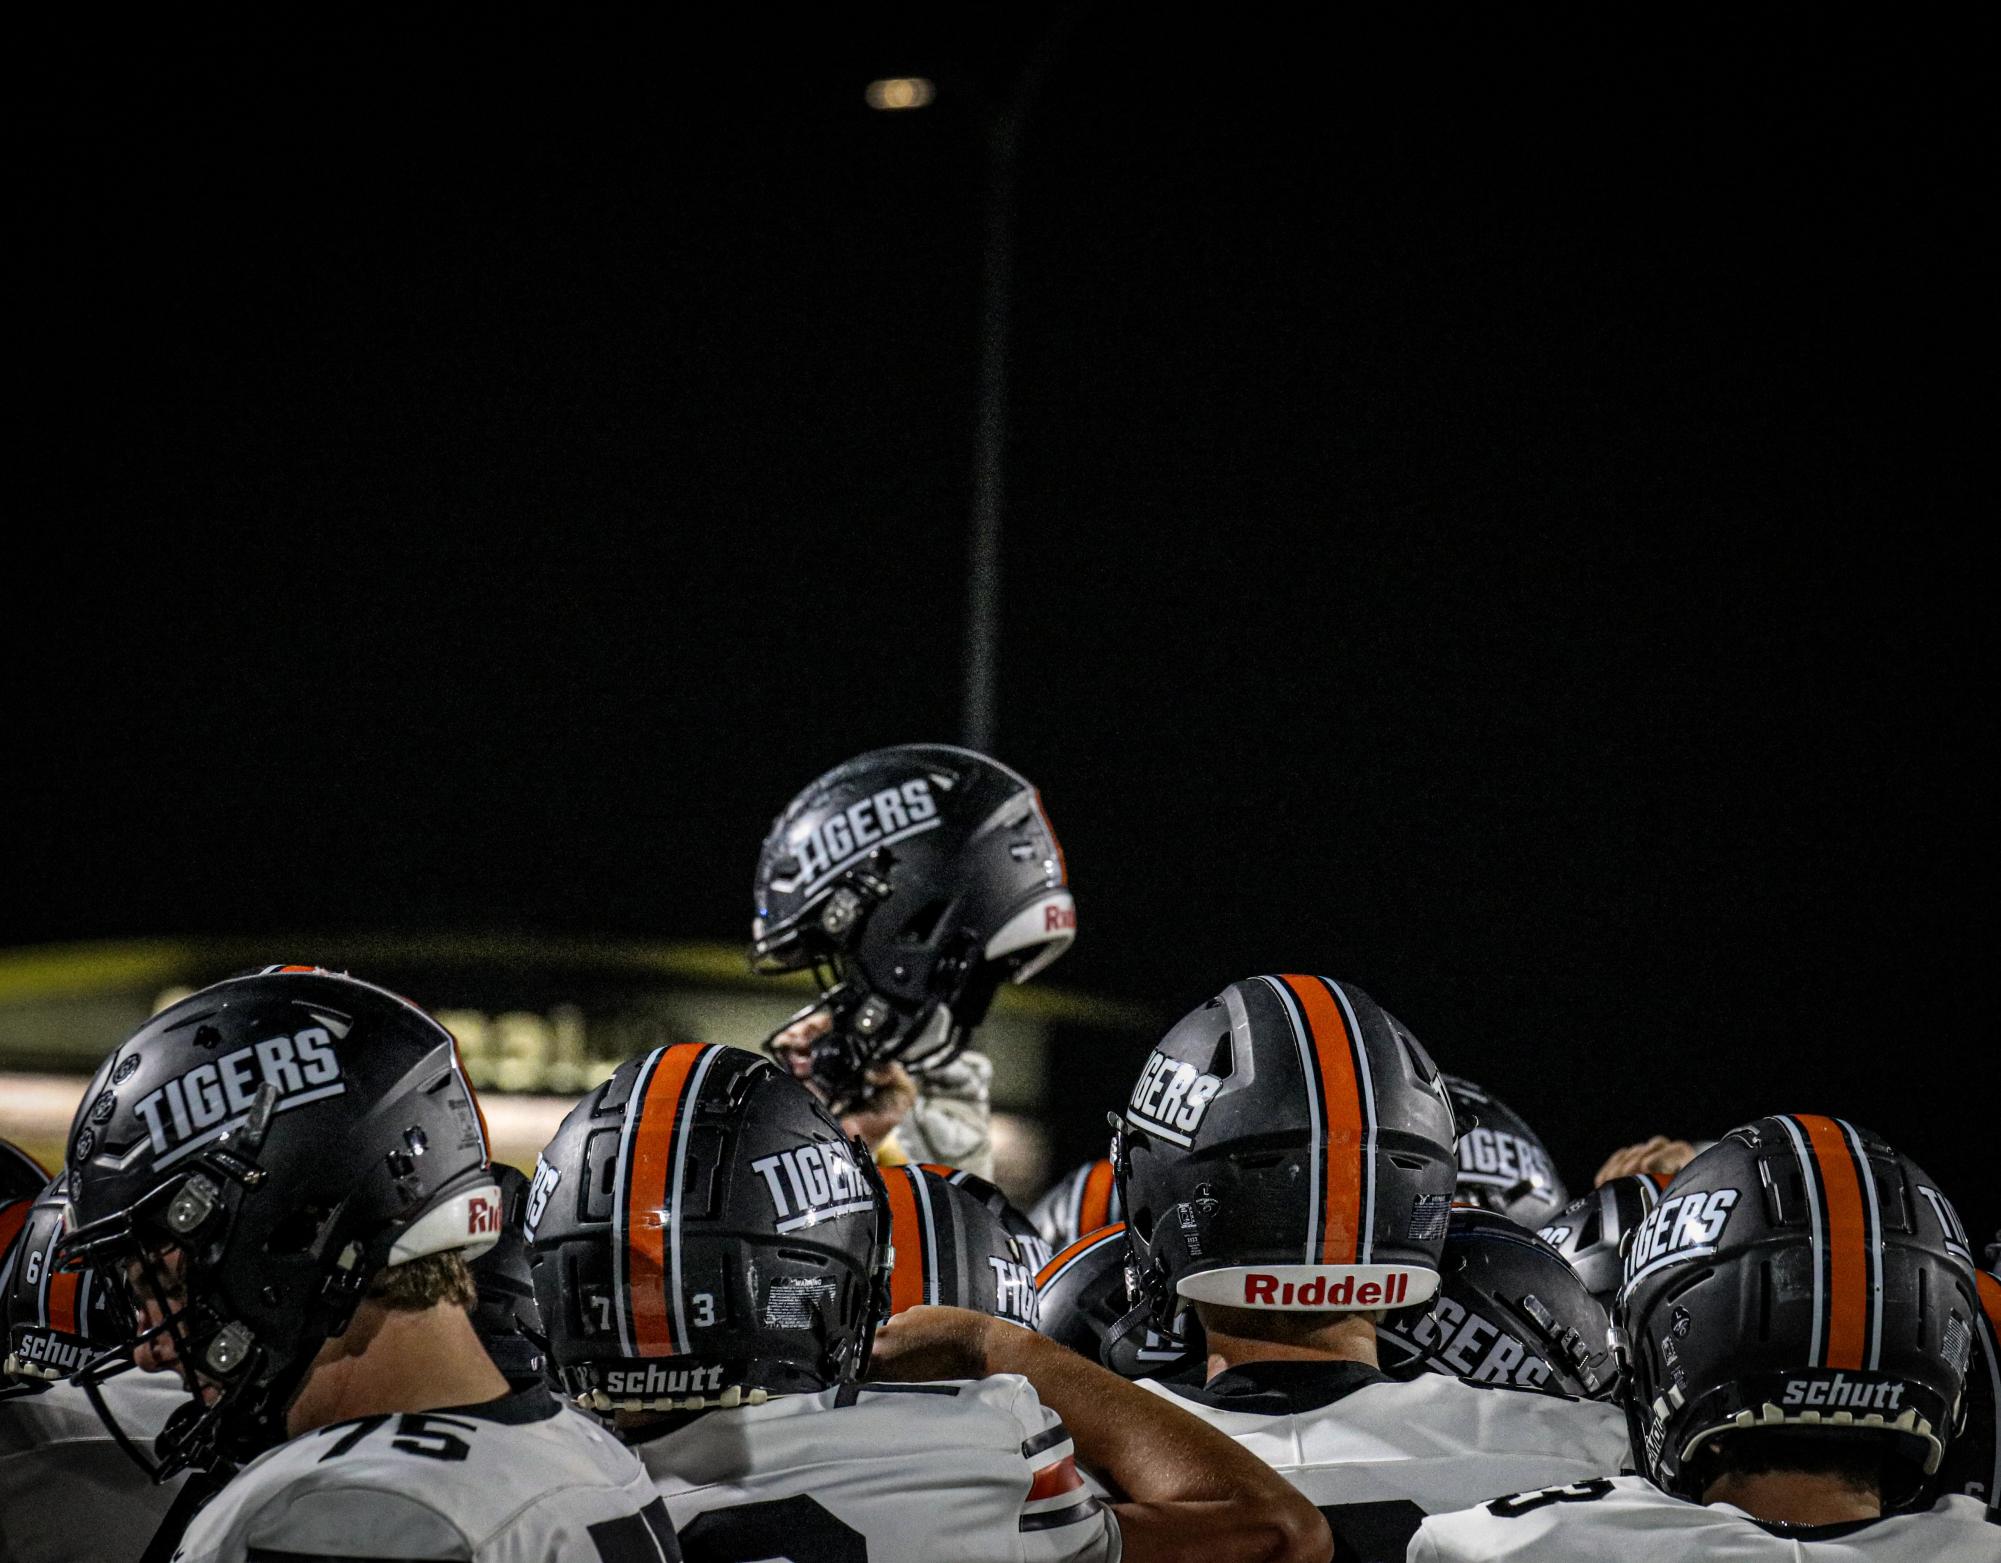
(900, 92)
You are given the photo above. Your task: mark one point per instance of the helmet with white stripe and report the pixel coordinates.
(702, 1233)
(913, 881)
(952, 1250)
(1288, 1146)
(1800, 1278)
(1592, 1231)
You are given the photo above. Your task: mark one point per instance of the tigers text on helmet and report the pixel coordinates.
(952, 1250)
(1592, 1231)
(1085, 1292)
(913, 881)
(1503, 1165)
(1288, 1146)
(257, 1153)
(1800, 1274)
(702, 1233)
(1508, 1312)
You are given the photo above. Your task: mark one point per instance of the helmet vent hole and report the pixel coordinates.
(1765, 1290)
(1420, 1061)
(1408, 1163)
(1224, 1060)
(1259, 1163)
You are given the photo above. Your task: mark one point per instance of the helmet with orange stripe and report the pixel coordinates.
(702, 1233)
(1084, 1199)
(52, 1320)
(1086, 1290)
(1503, 1165)
(22, 1180)
(1028, 1240)
(1801, 1286)
(952, 1250)
(913, 881)
(1288, 1146)
(248, 1162)
(1592, 1231)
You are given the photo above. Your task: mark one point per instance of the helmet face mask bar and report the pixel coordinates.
(243, 1168)
(911, 882)
(1799, 1276)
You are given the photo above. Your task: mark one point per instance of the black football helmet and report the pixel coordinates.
(1087, 1289)
(701, 1233)
(1034, 1250)
(1798, 1274)
(952, 1250)
(1508, 1312)
(288, 1134)
(1973, 1460)
(912, 881)
(1502, 1163)
(52, 1320)
(1593, 1229)
(21, 1176)
(1289, 1146)
(1083, 1200)
(506, 1318)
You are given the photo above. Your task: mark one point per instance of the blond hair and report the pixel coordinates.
(425, 1282)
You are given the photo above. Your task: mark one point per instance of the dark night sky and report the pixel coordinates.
(1489, 510)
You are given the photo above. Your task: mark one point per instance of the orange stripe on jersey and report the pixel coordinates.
(1094, 1205)
(1990, 1298)
(1083, 1244)
(647, 1202)
(1051, 1480)
(62, 1302)
(906, 1233)
(12, 1218)
(1847, 1242)
(1343, 1129)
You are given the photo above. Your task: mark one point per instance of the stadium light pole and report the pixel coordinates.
(1000, 133)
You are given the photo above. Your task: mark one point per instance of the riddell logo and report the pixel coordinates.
(1268, 1291)
(1842, 1393)
(482, 1215)
(1060, 919)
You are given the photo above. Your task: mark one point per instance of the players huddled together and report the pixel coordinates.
(1320, 1298)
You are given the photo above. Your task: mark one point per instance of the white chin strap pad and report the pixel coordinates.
(1050, 922)
(469, 1222)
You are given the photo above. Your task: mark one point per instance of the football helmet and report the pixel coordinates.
(1288, 1146)
(52, 1320)
(701, 1233)
(1086, 1290)
(1593, 1229)
(21, 1176)
(952, 1250)
(506, 1318)
(912, 882)
(1502, 1163)
(1973, 1461)
(1509, 1312)
(249, 1160)
(1035, 1251)
(1800, 1273)
(1083, 1200)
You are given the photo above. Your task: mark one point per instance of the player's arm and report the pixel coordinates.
(1190, 1494)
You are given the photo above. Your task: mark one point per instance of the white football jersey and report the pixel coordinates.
(1631, 1520)
(517, 1480)
(58, 1462)
(1376, 1455)
(890, 1473)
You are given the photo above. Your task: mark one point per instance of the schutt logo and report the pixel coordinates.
(1842, 1393)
